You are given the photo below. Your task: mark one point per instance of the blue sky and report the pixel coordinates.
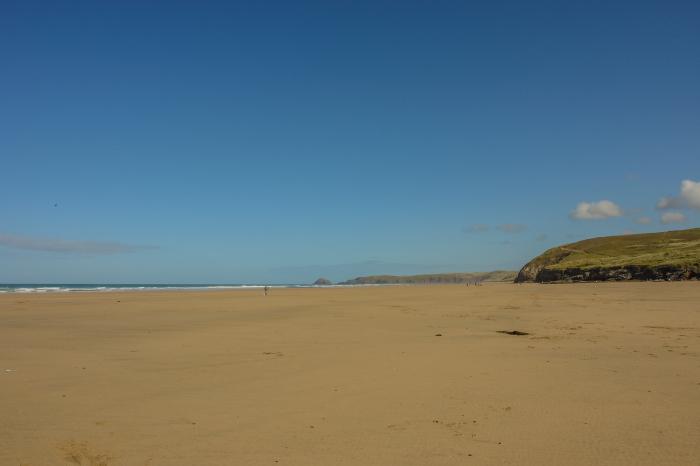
(275, 142)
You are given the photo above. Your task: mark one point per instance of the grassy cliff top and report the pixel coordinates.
(668, 248)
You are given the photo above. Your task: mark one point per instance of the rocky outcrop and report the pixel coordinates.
(628, 272)
(323, 282)
(531, 270)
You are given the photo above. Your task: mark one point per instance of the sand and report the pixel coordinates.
(608, 375)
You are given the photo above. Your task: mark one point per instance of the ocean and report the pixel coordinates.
(83, 287)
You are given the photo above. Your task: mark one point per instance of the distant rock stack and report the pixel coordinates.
(323, 282)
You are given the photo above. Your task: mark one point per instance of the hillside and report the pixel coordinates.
(671, 255)
(465, 277)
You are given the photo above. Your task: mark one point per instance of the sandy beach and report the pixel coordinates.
(609, 374)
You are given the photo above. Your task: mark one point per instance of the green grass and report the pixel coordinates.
(668, 248)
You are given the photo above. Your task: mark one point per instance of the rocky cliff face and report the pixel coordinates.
(323, 281)
(542, 274)
(531, 270)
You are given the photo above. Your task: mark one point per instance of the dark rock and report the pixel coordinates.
(543, 274)
(323, 281)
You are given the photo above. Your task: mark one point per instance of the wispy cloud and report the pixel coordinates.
(68, 246)
(541, 237)
(669, 202)
(643, 220)
(596, 210)
(476, 228)
(505, 228)
(512, 228)
(672, 217)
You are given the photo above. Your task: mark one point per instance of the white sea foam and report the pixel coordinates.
(66, 289)
(108, 288)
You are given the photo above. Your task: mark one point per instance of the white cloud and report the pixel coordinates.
(596, 210)
(643, 220)
(672, 217)
(690, 193)
(689, 197)
(68, 246)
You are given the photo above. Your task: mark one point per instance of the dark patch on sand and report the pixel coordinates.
(513, 332)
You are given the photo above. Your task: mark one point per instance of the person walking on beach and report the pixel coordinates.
(266, 288)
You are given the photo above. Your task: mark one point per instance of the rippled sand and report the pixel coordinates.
(609, 374)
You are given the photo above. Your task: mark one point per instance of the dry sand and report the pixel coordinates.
(609, 375)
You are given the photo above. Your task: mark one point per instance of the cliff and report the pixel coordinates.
(671, 255)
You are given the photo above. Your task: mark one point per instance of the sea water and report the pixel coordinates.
(77, 287)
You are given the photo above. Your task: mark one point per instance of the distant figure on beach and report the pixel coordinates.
(266, 288)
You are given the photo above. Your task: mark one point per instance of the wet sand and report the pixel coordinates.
(609, 374)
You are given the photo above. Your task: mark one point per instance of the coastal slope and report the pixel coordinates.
(435, 278)
(670, 255)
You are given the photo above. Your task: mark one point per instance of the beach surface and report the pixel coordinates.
(608, 374)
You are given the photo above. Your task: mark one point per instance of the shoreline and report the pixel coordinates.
(68, 288)
(23, 289)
